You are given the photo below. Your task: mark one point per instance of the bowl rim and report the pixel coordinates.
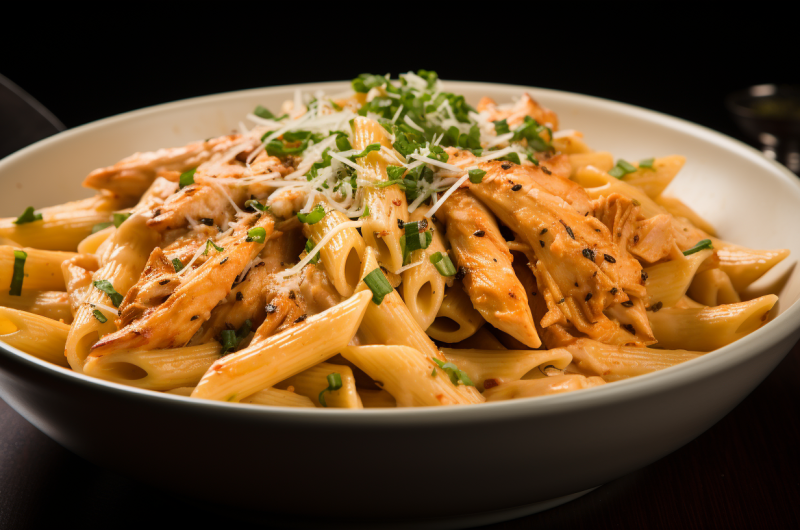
(708, 365)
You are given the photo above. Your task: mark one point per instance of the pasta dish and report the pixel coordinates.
(391, 246)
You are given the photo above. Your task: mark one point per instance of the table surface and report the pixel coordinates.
(742, 473)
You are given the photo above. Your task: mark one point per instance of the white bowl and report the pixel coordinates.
(444, 467)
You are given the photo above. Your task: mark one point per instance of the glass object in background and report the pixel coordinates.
(23, 120)
(770, 116)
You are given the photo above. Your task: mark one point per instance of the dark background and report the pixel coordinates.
(743, 473)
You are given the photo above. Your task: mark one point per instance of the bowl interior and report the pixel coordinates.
(750, 200)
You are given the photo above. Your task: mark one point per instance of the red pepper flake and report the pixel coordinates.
(397, 202)
(490, 383)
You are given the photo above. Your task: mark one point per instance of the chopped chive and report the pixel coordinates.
(476, 175)
(101, 226)
(120, 218)
(378, 284)
(211, 243)
(99, 316)
(309, 247)
(366, 212)
(433, 372)
(443, 264)
(647, 163)
(312, 217)
(177, 265)
(395, 172)
(334, 383)
(257, 234)
(701, 245)
(254, 204)
(621, 169)
(367, 150)
(456, 376)
(19, 272)
(263, 112)
(28, 216)
(343, 143)
(187, 178)
(231, 338)
(106, 287)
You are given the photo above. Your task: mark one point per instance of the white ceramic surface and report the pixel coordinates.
(402, 466)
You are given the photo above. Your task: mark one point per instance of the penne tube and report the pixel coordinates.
(482, 255)
(267, 362)
(489, 368)
(343, 254)
(391, 322)
(602, 160)
(42, 269)
(667, 282)
(423, 286)
(63, 227)
(39, 336)
(620, 362)
(155, 369)
(456, 320)
(312, 382)
(652, 181)
(743, 265)
(50, 304)
(410, 376)
(678, 208)
(707, 328)
(377, 399)
(78, 279)
(557, 384)
(274, 397)
(91, 243)
(185, 391)
(572, 144)
(713, 287)
(386, 205)
(600, 184)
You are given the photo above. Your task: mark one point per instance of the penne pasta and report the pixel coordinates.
(456, 320)
(51, 304)
(654, 179)
(557, 384)
(40, 336)
(313, 383)
(489, 368)
(667, 282)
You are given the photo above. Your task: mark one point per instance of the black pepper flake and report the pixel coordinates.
(506, 165)
(588, 254)
(543, 232)
(630, 328)
(194, 317)
(239, 296)
(627, 304)
(479, 233)
(655, 308)
(271, 309)
(547, 171)
(164, 282)
(541, 243)
(292, 296)
(223, 261)
(157, 212)
(586, 214)
(609, 259)
(576, 284)
(588, 297)
(400, 223)
(495, 260)
(516, 187)
(561, 301)
(207, 221)
(569, 230)
(300, 319)
(614, 290)
(461, 273)
(597, 230)
(636, 238)
(644, 276)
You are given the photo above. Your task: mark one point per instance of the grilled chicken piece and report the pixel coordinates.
(157, 282)
(198, 202)
(578, 268)
(482, 255)
(174, 322)
(132, 176)
(526, 106)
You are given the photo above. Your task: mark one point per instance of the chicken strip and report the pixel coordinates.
(484, 261)
(132, 176)
(173, 323)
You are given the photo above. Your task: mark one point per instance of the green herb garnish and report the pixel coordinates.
(334, 383)
(647, 163)
(701, 245)
(101, 226)
(99, 316)
(443, 264)
(120, 218)
(212, 244)
(456, 376)
(621, 169)
(19, 273)
(378, 284)
(231, 338)
(177, 265)
(257, 235)
(28, 216)
(263, 112)
(106, 287)
(309, 247)
(476, 175)
(187, 178)
(312, 217)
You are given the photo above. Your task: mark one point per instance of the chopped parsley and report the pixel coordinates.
(19, 273)
(312, 217)
(334, 383)
(701, 245)
(231, 339)
(28, 216)
(187, 178)
(456, 376)
(99, 316)
(106, 287)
